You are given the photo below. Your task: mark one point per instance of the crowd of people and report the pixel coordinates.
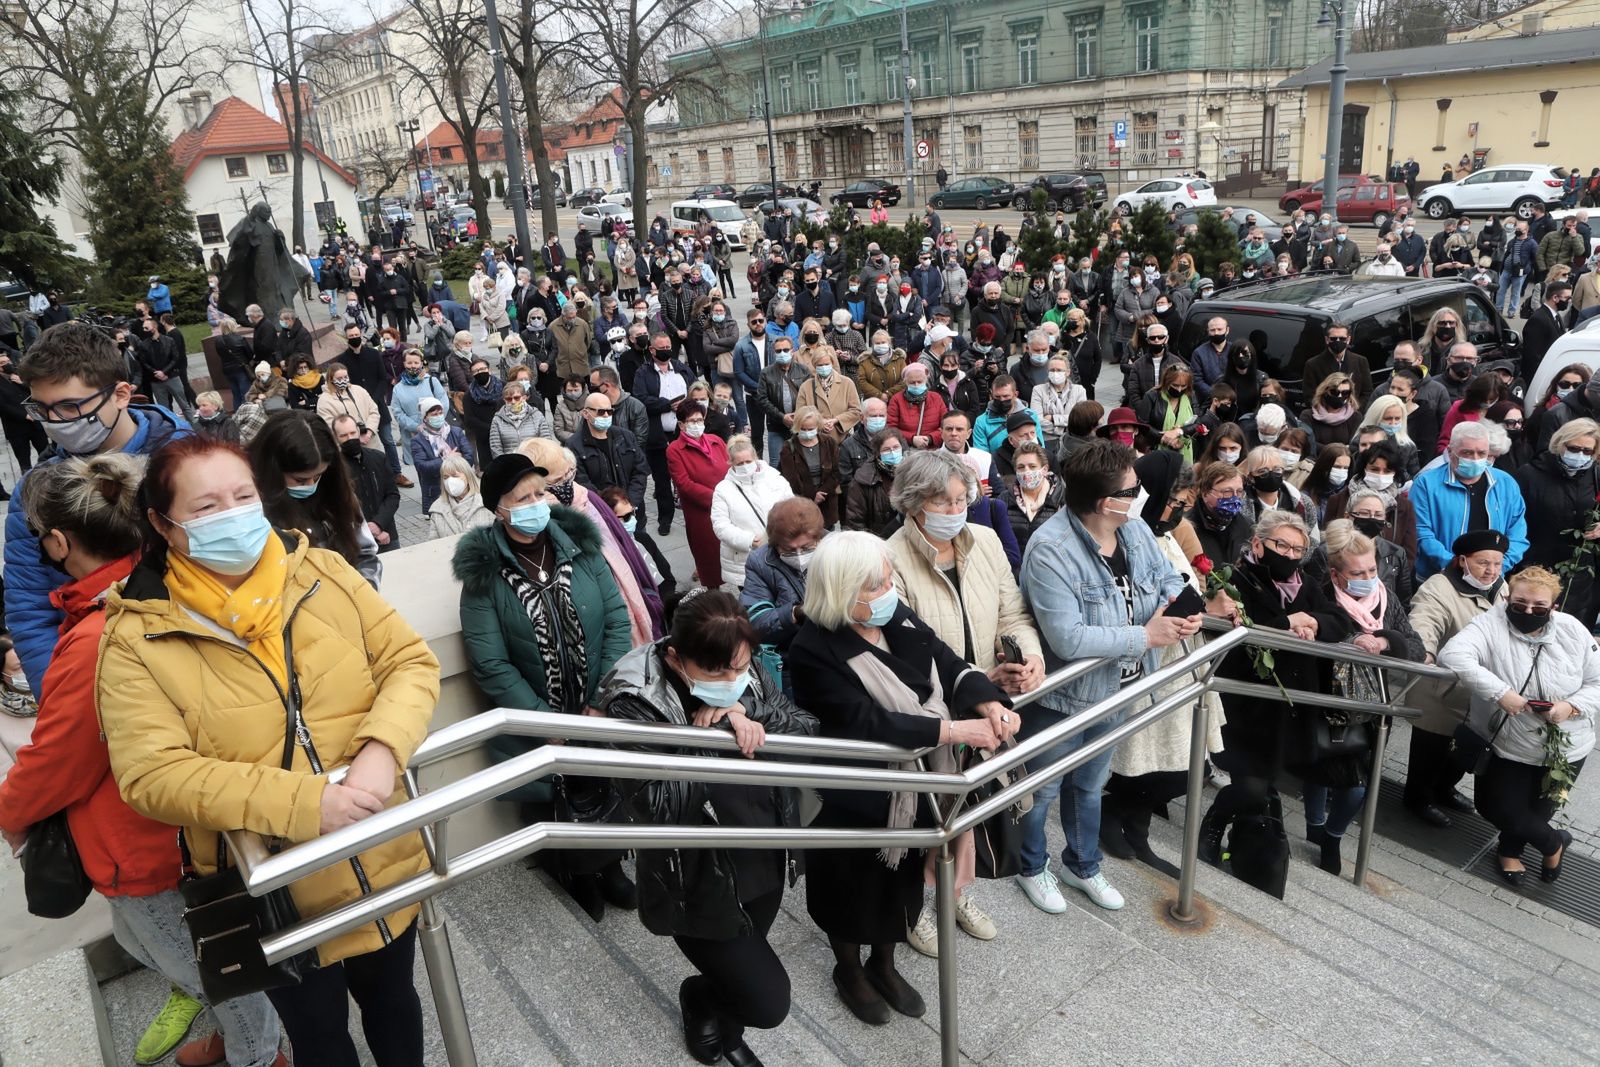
(905, 507)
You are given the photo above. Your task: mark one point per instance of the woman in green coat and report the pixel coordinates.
(543, 622)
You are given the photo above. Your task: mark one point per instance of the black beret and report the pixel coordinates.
(1480, 541)
(503, 474)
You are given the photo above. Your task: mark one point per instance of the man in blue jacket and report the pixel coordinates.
(1466, 494)
(82, 400)
(159, 297)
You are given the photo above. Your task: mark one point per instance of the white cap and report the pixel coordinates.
(939, 332)
(427, 404)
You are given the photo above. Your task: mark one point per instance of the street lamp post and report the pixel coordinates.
(766, 106)
(508, 129)
(906, 83)
(408, 129)
(1336, 75)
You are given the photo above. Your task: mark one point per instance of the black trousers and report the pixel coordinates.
(316, 1013)
(663, 482)
(1511, 795)
(756, 415)
(1430, 777)
(741, 981)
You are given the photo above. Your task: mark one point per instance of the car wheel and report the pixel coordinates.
(1437, 208)
(1019, 203)
(938, 203)
(1380, 219)
(1524, 207)
(1289, 205)
(1051, 205)
(981, 203)
(1124, 208)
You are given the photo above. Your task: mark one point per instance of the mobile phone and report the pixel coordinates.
(1540, 707)
(1010, 649)
(1186, 603)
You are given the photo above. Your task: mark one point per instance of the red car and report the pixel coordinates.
(1296, 198)
(1373, 203)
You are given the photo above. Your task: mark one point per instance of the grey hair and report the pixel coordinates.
(1271, 415)
(783, 307)
(926, 474)
(1038, 334)
(1274, 519)
(1362, 494)
(609, 375)
(1468, 347)
(1464, 431)
(846, 563)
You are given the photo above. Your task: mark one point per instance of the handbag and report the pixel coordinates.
(1258, 848)
(998, 839)
(226, 923)
(53, 878)
(1470, 750)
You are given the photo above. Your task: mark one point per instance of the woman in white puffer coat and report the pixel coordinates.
(740, 505)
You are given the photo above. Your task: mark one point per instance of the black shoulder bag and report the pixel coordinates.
(998, 839)
(226, 924)
(1469, 749)
(53, 878)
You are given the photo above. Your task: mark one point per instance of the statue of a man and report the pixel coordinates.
(259, 269)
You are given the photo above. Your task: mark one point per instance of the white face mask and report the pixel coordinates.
(1380, 482)
(1290, 457)
(1058, 377)
(455, 485)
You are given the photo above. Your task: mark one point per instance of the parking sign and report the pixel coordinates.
(1119, 133)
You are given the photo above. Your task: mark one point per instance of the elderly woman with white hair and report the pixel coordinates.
(954, 574)
(871, 670)
(458, 507)
(740, 505)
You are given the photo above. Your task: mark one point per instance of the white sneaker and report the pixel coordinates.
(1042, 891)
(973, 919)
(924, 937)
(1096, 889)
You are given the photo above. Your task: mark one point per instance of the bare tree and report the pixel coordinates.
(279, 29)
(1381, 25)
(385, 163)
(438, 44)
(630, 41)
(539, 49)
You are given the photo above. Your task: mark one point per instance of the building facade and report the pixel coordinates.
(1007, 88)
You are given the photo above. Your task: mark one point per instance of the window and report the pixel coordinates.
(651, 172)
(785, 94)
(277, 163)
(891, 77)
(971, 67)
(1146, 42)
(813, 80)
(763, 163)
(210, 227)
(703, 159)
(1144, 137)
(927, 62)
(1086, 50)
(791, 164)
(819, 157)
(896, 146)
(1085, 127)
(972, 138)
(1028, 144)
(1275, 39)
(238, 166)
(673, 170)
(850, 72)
(727, 164)
(931, 135)
(1027, 58)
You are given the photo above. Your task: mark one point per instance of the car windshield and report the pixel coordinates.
(1282, 342)
(724, 213)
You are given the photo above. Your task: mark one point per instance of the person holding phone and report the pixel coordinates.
(1528, 665)
(1099, 587)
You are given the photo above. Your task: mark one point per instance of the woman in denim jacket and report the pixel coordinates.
(1098, 585)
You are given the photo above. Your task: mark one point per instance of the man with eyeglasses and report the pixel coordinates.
(749, 360)
(607, 454)
(1464, 494)
(83, 401)
(1337, 358)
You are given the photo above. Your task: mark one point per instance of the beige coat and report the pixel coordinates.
(990, 605)
(357, 403)
(1439, 611)
(838, 399)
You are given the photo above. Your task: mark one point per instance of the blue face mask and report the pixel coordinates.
(824, 371)
(1467, 469)
(882, 608)
(1361, 587)
(916, 390)
(530, 519)
(889, 459)
(229, 542)
(1577, 461)
(1563, 392)
(603, 423)
(304, 492)
(876, 423)
(631, 523)
(435, 421)
(720, 694)
(1390, 428)
(1229, 506)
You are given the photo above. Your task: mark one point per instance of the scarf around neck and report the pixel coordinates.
(1366, 612)
(253, 612)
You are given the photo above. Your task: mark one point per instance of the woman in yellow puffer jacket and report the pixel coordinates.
(224, 622)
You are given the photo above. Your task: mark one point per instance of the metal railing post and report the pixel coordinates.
(945, 897)
(1182, 910)
(440, 961)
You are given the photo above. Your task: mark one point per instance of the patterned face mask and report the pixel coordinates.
(562, 491)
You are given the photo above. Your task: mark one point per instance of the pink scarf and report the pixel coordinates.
(1322, 414)
(1367, 612)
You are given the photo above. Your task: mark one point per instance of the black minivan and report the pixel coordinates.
(1284, 320)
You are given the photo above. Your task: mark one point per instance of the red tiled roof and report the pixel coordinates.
(596, 126)
(234, 127)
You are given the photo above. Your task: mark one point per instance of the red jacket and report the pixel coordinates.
(66, 763)
(918, 420)
(696, 472)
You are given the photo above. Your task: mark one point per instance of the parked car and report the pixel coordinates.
(725, 215)
(536, 198)
(1511, 187)
(1063, 191)
(802, 207)
(1374, 202)
(1296, 198)
(1581, 344)
(863, 193)
(1594, 241)
(1270, 227)
(752, 195)
(979, 193)
(590, 195)
(624, 197)
(714, 191)
(589, 215)
(1285, 319)
(393, 213)
(461, 214)
(1169, 193)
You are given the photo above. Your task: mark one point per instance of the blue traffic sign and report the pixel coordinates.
(1119, 129)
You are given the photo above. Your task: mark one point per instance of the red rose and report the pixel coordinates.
(1202, 564)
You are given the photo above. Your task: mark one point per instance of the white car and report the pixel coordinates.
(1178, 192)
(1508, 187)
(1594, 241)
(1581, 344)
(624, 197)
(725, 215)
(589, 215)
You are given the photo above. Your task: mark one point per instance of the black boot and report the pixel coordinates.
(585, 890)
(616, 888)
(702, 1034)
(1113, 832)
(1331, 861)
(1212, 827)
(1136, 828)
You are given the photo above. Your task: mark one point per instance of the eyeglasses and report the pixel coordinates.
(758, 322)
(1575, 450)
(1379, 518)
(598, 411)
(1284, 548)
(68, 410)
(1568, 384)
(1125, 494)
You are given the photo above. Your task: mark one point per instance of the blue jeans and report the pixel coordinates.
(774, 446)
(1333, 809)
(1079, 801)
(386, 435)
(1511, 292)
(151, 929)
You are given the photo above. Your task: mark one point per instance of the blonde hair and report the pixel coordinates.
(458, 466)
(545, 453)
(1373, 420)
(210, 396)
(1538, 577)
(1571, 431)
(1258, 457)
(1345, 542)
(741, 442)
(95, 499)
(804, 412)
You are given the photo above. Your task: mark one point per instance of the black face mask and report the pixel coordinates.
(993, 303)
(1174, 392)
(1226, 412)
(1218, 339)
(1268, 481)
(562, 491)
(1524, 621)
(1000, 407)
(1279, 567)
(1336, 345)
(55, 565)
(813, 338)
(1460, 371)
(1369, 526)
(353, 342)
(351, 449)
(641, 343)
(1156, 346)
(949, 373)
(1445, 333)
(482, 377)
(1166, 525)
(1562, 305)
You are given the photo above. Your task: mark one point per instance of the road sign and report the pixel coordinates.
(1119, 133)
(666, 172)
(620, 150)
(922, 149)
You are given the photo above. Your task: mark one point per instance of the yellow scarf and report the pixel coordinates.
(309, 380)
(253, 612)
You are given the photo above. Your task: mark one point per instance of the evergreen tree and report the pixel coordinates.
(1036, 244)
(30, 250)
(1148, 233)
(1216, 242)
(1087, 231)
